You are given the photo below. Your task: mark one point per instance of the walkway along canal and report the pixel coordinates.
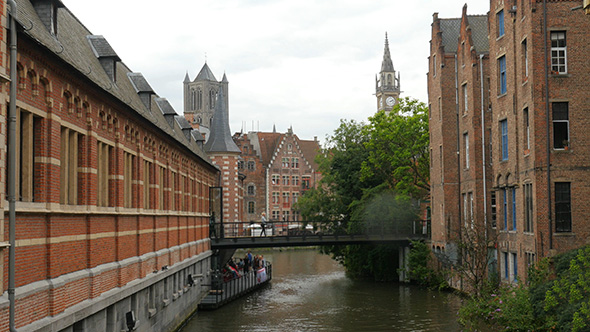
(310, 292)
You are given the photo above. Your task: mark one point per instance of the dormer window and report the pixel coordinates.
(47, 12)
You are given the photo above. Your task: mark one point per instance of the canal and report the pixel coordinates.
(310, 292)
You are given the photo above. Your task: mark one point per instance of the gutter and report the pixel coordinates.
(483, 150)
(547, 118)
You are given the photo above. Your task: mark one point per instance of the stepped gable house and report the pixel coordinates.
(112, 186)
(278, 169)
(511, 155)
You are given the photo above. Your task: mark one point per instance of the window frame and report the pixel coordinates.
(558, 52)
(563, 207)
(558, 142)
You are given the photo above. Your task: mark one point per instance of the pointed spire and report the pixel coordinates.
(224, 79)
(220, 139)
(186, 78)
(387, 65)
(274, 128)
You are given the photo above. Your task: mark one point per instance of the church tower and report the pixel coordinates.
(386, 83)
(200, 96)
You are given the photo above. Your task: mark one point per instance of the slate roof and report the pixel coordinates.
(205, 74)
(220, 139)
(450, 28)
(74, 46)
(102, 48)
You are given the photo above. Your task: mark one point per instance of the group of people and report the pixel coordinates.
(236, 268)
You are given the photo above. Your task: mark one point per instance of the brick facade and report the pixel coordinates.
(530, 219)
(113, 199)
(281, 168)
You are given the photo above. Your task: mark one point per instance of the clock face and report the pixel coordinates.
(390, 101)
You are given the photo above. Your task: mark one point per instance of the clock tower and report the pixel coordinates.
(387, 83)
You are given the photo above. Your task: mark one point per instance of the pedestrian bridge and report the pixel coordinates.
(292, 234)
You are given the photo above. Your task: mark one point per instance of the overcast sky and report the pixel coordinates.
(300, 63)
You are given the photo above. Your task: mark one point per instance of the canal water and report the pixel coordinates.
(310, 292)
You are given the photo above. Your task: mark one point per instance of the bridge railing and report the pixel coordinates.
(415, 228)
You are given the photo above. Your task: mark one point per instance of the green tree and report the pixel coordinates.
(372, 174)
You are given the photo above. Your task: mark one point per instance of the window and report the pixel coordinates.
(275, 197)
(102, 173)
(502, 74)
(500, 22)
(513, 208)
(494, 208)
(525, 59)
(285, 198)
(305, 182)
(69, 166)
(241, 164)
(434, 65)
(527, 137)
(514, 266)
(465, 98)
(560, 112)
(558, 52)
(251, 165)
(295, 163)
(286, 215)
(25, 152)
(295, 197)
(465, 209)
(161, 185)
(528, 207)
(275, 215)
(275, 179)
(506, 266)
(147, 169)
(285, 163)
(505, 206)
(128, 177)
(504, 139)
(440, 108)
(295, 180)
(563, 208)
(285, 180)
(466, 147)
(471, 209)
(251, 209)
(251, 190)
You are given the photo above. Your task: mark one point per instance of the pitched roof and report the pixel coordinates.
(81, 53)
(205, 74)
(309, 149)
(479, 32)
(450, 28)
(268, 143)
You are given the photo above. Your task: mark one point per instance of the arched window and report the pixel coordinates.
(251, 207)
(251, 165)
(193, 99)
(251, 190)
(389, 81)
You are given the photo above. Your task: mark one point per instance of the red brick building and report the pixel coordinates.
(278, 169)
(534, 103)
(112, 188)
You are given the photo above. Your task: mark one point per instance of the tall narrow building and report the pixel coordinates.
(386, 83)
(224, 153)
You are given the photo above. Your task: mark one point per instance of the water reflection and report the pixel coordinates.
(310, 292)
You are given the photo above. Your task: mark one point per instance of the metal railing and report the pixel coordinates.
(299, 228)
(223, 291)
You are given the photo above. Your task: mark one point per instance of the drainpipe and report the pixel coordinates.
(547, 118)
(461, 221)
(12, 166)
(483, 150)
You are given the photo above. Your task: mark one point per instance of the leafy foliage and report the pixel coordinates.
(372, 174)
